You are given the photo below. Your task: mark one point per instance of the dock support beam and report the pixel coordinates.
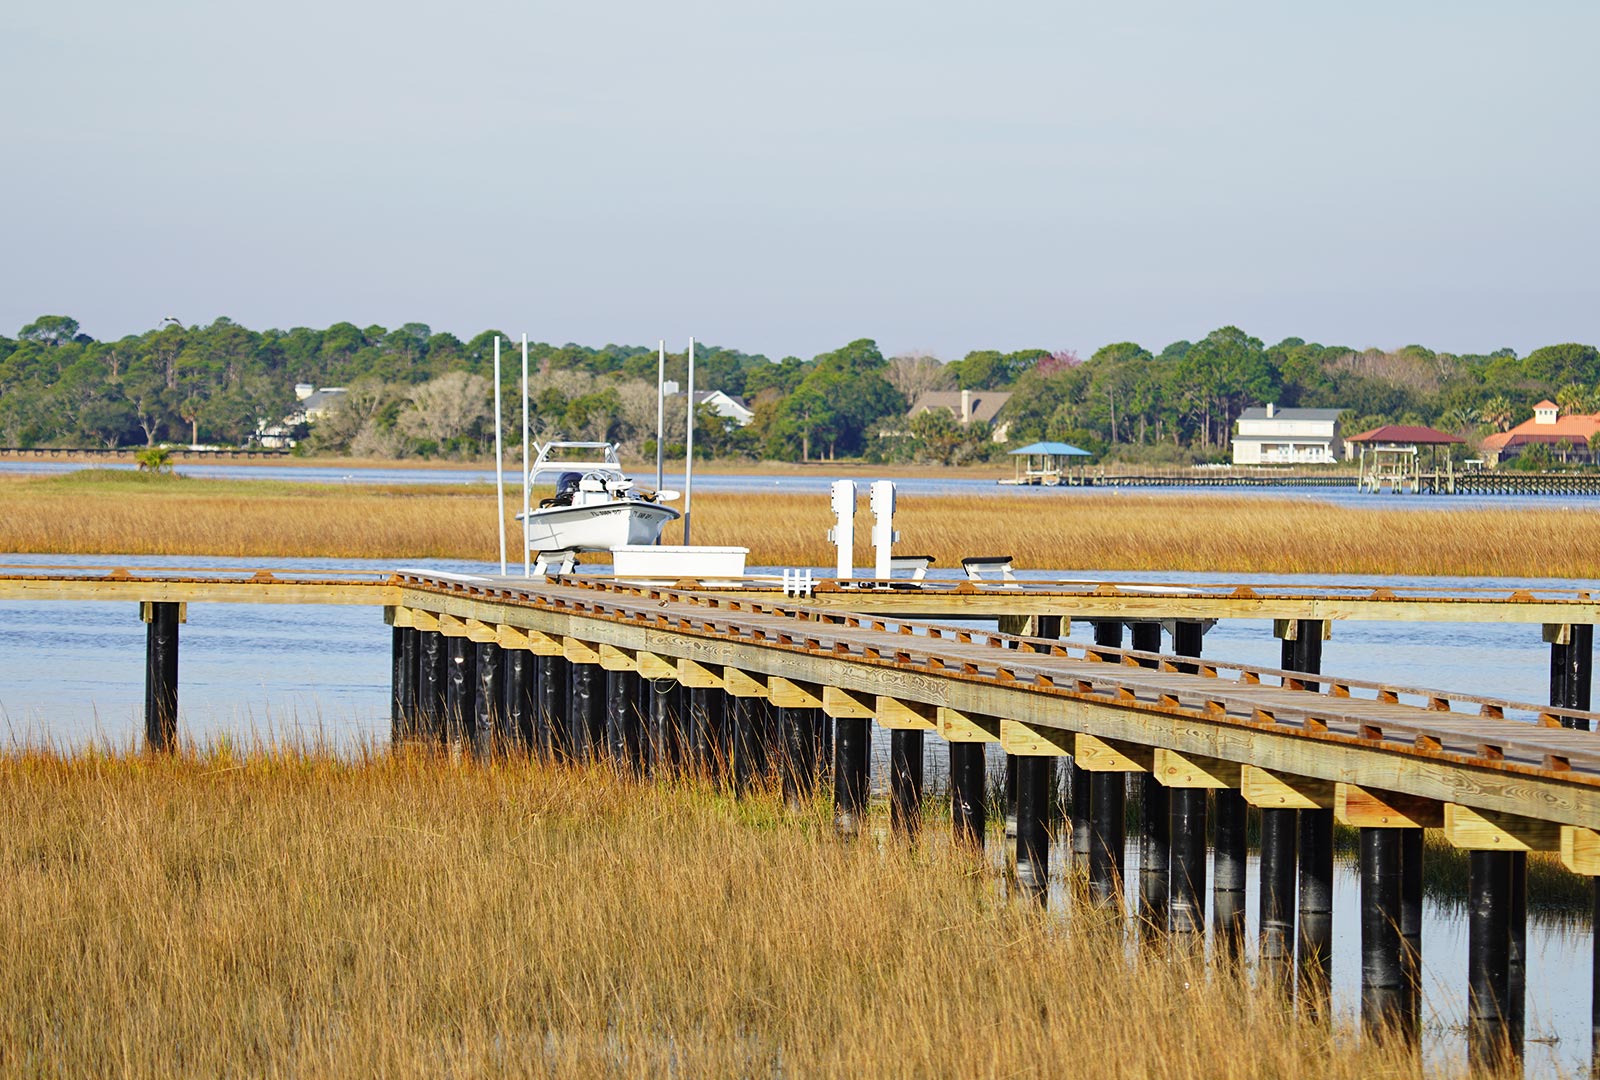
(161, 674)
(490, 735)
(1228, 872)
(1033, 824)
(666, 748)
(624, 740)
(1411, 929)
(554, 715)
(905, 780)
(517, 686)
(968, 778)
(1383, 989)
(1188, 900)
(1488, 959)
(852, 745)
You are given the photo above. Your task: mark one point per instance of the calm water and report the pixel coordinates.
(818, 484)
(71, 674)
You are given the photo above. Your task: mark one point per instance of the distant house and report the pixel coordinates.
(724, 405)
(966, 406)
(312, 404)
(1269, 435)
(1568, 434)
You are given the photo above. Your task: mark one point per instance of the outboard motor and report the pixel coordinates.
(566, 487)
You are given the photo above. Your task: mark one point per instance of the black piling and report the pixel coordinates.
(968, 778)
(666, 746)
(1517, 952)
(161, 675)
(1303, 653)
(742, 717)
(1411, 928)
(517, 688)
(1383, 989)
(402, 683)
(490, 733)
(623, 730)
(433, 679)
(1107, 841)
(1228, 872)
(586, 710)
(1571, 670)
(905, 780)
(799, 765)
(1107, 632)
(1315, 967)
(1277, 895)
(460, 677)
(554, 711)
(1033, 824)
(706, 728)
(1187, 904)
(852, 747)
(1488, 958)
(1155, 824)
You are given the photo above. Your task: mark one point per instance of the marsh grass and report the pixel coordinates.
(284, 914)
(106, 512)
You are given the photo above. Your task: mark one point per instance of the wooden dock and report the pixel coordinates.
(736, 679)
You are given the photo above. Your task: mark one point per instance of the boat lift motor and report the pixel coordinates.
(883, 534)
(843, 533)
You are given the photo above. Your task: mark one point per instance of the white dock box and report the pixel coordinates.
(669, 561)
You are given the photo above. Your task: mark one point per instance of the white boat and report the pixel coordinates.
(595, 507)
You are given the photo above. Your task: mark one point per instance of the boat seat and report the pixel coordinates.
(977, 566)
(917, 564)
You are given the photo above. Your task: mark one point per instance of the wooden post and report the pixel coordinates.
(1228, 872)
(1383, 990)
(488, 715)
(1277, 894)
(852, 744)
(1571, 666)
(554, 710)
(622, 720)
(161, 674)
(905, 780)
(517, 705)
(400, 676)
(1107, 841)
(968, 779)
(798, 727)
(433, 679)
(1033, 825)
(1302, 651)
(460, 676)
(1488, 959)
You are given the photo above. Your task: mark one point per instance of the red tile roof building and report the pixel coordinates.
(1547, 426)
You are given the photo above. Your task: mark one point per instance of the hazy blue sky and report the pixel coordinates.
(784, 178)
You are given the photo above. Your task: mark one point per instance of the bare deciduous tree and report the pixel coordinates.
(447, 407)
(914, 374)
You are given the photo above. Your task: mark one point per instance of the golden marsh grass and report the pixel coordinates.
(119, 513)
(286, 915)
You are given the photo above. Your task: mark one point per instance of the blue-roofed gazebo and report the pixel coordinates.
(1046, 463)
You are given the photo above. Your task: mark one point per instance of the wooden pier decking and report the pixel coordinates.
(658, 676)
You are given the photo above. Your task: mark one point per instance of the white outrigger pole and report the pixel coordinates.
(661, 407)
(527, 478)
(499, 463)
(688, 450)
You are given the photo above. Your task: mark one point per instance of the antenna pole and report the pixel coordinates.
(527, 559)
(688, 449)
(661, 408)
(499, 462)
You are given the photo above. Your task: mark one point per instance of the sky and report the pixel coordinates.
(784, 178)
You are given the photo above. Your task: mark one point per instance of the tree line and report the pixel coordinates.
(412, 391)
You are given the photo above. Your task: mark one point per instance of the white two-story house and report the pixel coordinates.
(1269, 435)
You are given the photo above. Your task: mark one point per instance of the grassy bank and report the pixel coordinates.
(297, 916)
(102, 512)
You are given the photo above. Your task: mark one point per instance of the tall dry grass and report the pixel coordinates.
(283, 915)
(126, 514)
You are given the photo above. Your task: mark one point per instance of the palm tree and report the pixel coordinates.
(1574, 400)
(1498, 412)
(1462, 419)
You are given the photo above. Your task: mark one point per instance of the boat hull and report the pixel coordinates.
(597, 528)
